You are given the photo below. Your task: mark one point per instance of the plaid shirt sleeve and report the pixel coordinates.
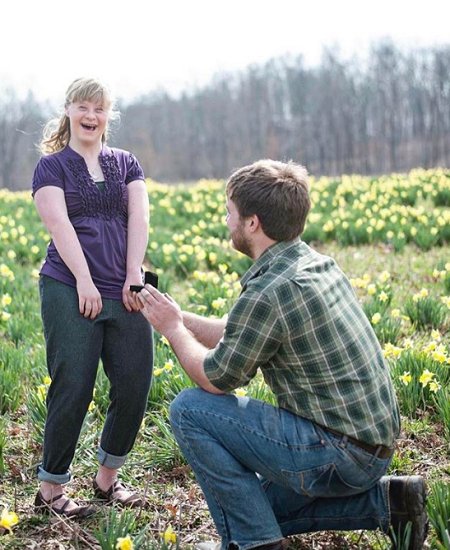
(252, 336)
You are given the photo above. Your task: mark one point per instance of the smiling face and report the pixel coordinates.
(88, 121)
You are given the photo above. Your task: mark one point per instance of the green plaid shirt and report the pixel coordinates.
(299, 321)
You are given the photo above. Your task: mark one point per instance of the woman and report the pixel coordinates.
(93, 201)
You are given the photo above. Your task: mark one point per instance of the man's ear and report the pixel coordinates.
(253, 223)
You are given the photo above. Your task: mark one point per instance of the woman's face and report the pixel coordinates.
(88, 121)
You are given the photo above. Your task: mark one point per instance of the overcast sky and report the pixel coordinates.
(140, 45)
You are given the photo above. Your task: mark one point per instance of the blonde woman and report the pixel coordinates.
(93, 201)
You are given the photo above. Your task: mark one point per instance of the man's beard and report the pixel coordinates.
(240, 242)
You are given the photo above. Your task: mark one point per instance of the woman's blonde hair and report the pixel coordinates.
(56, 133)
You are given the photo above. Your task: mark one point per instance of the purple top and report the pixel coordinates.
(100, 218)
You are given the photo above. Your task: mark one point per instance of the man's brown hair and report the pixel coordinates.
(277, 192)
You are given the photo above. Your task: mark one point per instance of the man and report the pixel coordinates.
(316, 461)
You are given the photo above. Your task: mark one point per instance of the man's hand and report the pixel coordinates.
(160, 310)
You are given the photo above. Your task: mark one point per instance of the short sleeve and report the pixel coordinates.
(47, 172)
(252, 337)
(134, 170)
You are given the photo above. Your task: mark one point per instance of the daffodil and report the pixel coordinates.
(439, 356)
(218, 303)
(383, 297)
(426, 377)
(4, 316)
(376, 318)
(240, 392)
(371, 289)
(42, 392)
(8, 519)
(124, 543)
(158, 372)
(168, 365)
(406, 378)
(435, 386)
(384, 276)
(6, 300)
(170, 536)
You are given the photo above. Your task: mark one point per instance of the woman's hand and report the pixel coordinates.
(89, 299)
(129, 298)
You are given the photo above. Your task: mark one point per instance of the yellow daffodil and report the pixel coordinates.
(6, 300)
(371, 289)
(8, 519)
(446, 301)
(47, 380)
(424, 293)
(384, 276)
(168, 365)
(376, 318)
(35, 273)
(383, 297)
(91, 406)
(429, 348)
(439, 356)
(4, 316)
(395, 313)
(240, 392)
(426, 377)
(164, 341)
(406, 378)
(392, 351)
(435, 334)
(435, 386)
(124, 543)
(218, 303)
(158, 372)
(42, 392)
(170, 536)
(408, 343)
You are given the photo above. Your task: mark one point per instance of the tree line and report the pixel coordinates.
(387, 113)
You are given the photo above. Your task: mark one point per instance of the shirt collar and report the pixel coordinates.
(71, 153)
(263, 262)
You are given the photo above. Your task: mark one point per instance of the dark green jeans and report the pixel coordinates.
(123, 341)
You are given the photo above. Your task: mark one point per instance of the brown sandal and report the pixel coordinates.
(42, 506)
(133, 501)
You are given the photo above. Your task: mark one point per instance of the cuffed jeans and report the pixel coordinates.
(267, 473)
(123, 341)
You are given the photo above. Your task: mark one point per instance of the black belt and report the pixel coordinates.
(376, 450)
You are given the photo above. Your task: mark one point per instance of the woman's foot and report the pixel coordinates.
(61, 505)
(117, 493)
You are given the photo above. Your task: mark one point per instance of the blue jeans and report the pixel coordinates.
(75, 345)
(267, 473)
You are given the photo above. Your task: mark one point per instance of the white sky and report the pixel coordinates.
(139, 45)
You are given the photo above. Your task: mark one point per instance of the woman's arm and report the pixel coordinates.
(51, 206)
(138, 220)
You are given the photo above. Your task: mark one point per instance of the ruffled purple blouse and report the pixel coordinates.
(99, 214)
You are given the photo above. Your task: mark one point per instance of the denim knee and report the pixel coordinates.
(182, 402)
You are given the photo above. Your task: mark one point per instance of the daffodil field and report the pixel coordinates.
(390, 234)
